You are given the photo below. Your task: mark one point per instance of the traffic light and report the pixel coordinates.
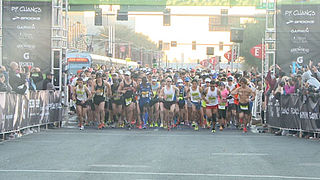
(210, 51)
(194, 45)
(167, 17)
(220, 46)
(122, 15)
(160, 44)
(98, 17)
(173, 43)
(154, 62)
(224, 17)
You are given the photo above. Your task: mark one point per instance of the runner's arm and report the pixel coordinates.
(88, 92)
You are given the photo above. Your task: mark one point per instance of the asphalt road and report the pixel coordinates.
(148, 154)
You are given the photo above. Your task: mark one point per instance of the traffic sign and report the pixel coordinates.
(256, 51)
(228, 55)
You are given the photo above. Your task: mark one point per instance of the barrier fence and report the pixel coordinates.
(33, 109)
(294, 112)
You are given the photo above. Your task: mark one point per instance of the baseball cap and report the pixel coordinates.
(180, 81)
(207, 80)
(127, 73)
(230, 78)
(187, 79)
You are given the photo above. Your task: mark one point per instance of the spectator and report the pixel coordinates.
(3, 86)
(289, 86)
(17, 80)
(307, 77)
(37, 77)
(47, 80)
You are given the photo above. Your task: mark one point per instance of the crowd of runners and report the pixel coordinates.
(163, 98)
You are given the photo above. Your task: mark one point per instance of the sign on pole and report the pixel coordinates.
(256, 51)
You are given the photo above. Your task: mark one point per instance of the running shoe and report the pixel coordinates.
(140, 127)
(221, 128)
(196, 128)
(133, 122)
(213, 130)
(103, 125)
(165, 126)
(151, 125)
(208, 124)
(156, 125)
(100, 126)
(193, 124)
(161, 125)
(144, 126)
(82, 128)
(245, 129)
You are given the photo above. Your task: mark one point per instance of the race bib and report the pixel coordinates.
(169, 97)
(222, 106)
(144, 94)
(212, 100)
(128, 101)
(244, 107)
(195, 96)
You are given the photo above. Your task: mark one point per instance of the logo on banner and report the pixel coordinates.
(257, 51)
(300, 60)
(26, 56)
(228, 55)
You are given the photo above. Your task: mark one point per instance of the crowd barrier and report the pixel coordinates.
(36, 108)
(296, 112)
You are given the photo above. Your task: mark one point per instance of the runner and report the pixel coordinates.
(211, 97)
(127, 88)
(100, 90)
(167, 94)
(223, 104)
(154, 103)
(81, 95)
(232, 108)
(195, 98)
(116, 101)
(144, 92)
(244, 93)
(182, 105)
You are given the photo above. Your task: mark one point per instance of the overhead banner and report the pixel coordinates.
(298, 34)
(27, 33)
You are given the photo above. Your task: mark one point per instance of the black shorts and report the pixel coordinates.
(79, 103)
(232, 107)
(245, 108)
(181, 104)
(117, 101)
(168, 104)
(154, 101)
(98, 99)
(222, 114)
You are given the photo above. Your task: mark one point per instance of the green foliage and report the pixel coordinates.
(253, 34)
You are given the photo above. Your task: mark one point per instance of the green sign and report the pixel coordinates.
(82, 7)
(264, 5)
(302, 2)
(145, 8)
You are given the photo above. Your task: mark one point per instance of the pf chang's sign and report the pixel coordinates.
(256, 51)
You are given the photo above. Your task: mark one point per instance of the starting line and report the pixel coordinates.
(158, 174)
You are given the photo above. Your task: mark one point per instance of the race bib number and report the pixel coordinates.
(128, 101)
(222, 106)
(195, 96)
(245, 108)
(169, 97)
(212, 100)
(145, 94)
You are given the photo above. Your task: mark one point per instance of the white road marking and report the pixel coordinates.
(239, 154)
(118, 166)
(158, 173)
(311, 164)
(160, 135)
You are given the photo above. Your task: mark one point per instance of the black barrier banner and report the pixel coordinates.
(27, 33)
(298, 34)
(297, 112)
(35, 108)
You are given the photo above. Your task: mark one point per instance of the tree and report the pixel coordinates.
(253, 34)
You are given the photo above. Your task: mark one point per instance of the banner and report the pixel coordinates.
(35, 108)
(298, 34)
(294, 112)
(27, 33)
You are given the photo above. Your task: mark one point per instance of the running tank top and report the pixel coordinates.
(195, 95)
(128, 94)
(154, 89)
(181, 93)
(212, 97)
(81, 94)
(145, 90)
(169, 93)
(99, 89)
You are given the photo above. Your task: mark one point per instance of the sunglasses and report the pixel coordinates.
(169, 81)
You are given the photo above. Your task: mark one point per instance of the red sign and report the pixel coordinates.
(256, 51)
(122, 48)
(228, 55)
(204, 63)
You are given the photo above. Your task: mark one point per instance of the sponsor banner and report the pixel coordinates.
(298, 34)
(18, 111)
(294, 112)
(27, 33)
